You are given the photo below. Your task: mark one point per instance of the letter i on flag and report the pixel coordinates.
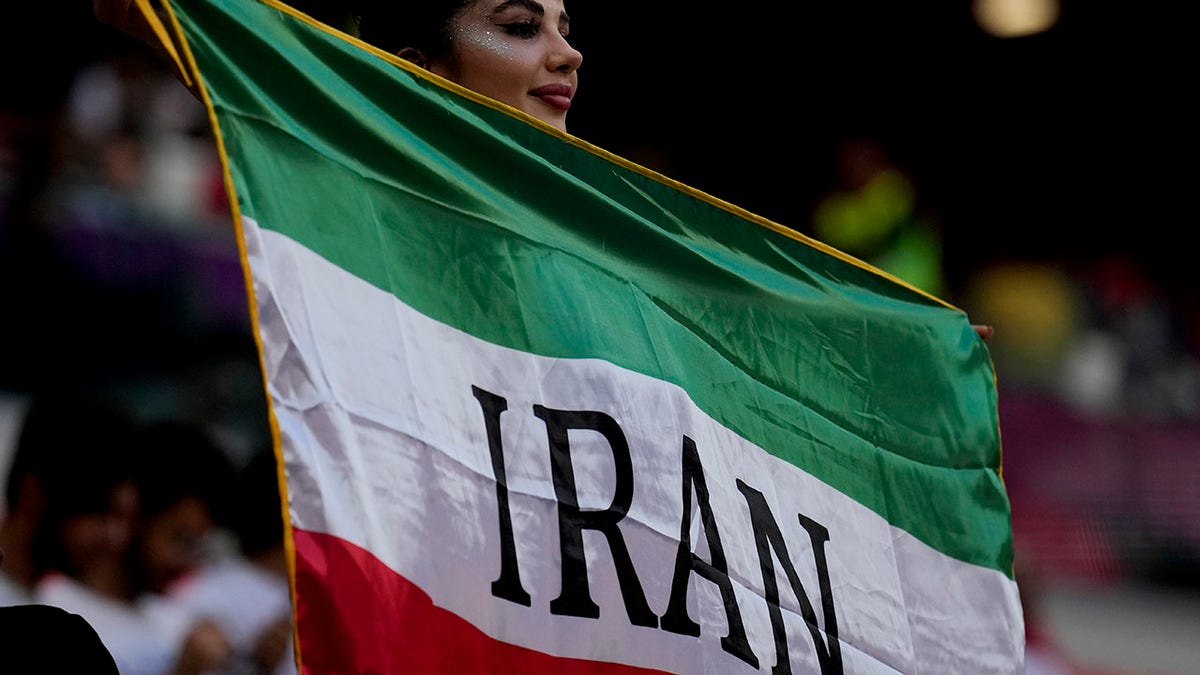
(540, 410)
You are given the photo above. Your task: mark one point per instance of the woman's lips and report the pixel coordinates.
(556, 95)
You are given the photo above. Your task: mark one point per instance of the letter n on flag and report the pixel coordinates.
(541, 410)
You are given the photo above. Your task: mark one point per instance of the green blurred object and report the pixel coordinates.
(875, 217)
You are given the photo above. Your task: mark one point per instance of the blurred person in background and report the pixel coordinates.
(69, 459)
(39, 638)
(874, 212)
(248, 595)
(139, 156)
(74, 464)
(183, 476)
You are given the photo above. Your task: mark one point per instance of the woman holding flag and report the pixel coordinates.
(516, 53)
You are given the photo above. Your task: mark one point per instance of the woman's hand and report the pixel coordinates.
(983, 330)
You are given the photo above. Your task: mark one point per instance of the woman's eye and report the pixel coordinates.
(525, 30)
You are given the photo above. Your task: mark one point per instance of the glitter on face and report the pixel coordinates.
(468, 33)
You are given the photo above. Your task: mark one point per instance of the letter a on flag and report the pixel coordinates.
(538, 409)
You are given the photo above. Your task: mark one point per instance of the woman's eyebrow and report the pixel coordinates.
(531, 5)
(564, 21)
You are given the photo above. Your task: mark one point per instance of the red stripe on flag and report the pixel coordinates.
(356, 615)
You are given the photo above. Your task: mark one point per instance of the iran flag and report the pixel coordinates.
(541, 410)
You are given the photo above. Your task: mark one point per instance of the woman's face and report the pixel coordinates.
(515, 51)
(173, 542)
(94, 540)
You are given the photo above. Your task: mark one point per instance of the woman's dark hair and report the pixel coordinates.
(392, 25)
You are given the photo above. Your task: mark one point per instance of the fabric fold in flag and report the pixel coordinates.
(541, 410)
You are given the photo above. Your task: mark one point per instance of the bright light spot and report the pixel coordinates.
(1015, 18)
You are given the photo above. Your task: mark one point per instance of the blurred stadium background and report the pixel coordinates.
(1027, 160)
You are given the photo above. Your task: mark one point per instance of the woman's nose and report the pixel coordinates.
(565, 58)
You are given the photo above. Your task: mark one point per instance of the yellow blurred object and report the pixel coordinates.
(1036, 310)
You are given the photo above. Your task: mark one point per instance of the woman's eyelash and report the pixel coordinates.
(525, 29)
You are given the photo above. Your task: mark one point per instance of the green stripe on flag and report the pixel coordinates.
(524, 238)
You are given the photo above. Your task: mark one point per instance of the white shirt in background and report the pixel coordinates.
(243, 600)
(145, 637)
